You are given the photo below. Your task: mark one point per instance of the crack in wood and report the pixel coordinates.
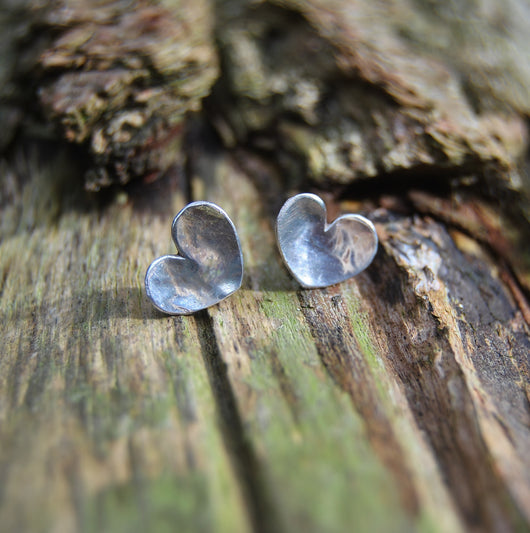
(262, 512)
(342, 357)
(420, 355)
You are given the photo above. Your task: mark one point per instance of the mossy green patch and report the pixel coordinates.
(166, 504)
(313, 443)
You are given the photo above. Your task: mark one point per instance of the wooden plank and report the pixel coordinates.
(107, 417)
(275, 410)
(320, 423)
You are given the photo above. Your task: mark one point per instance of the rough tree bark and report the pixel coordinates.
(397, 401)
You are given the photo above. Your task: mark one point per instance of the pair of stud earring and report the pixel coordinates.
(209, 267)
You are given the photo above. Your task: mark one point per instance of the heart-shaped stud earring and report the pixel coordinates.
(319, 254)
(209, 266)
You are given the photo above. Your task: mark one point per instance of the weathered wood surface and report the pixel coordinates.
(397, 401)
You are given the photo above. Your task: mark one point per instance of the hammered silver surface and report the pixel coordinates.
(319, 254)
(209, 266)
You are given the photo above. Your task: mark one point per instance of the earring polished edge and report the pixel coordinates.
(181, 255)
(347, 216)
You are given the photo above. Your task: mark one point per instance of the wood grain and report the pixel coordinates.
(280, 409)
(108, 418)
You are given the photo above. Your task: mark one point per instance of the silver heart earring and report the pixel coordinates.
(208, 267)
(319, 254)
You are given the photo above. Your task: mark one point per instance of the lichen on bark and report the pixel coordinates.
(119, 78)
(336, 88)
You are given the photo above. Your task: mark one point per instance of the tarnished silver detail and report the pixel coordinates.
(320, 254)
(209, 266)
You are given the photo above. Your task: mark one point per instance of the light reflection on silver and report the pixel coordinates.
(209, 266)
(319, 254)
